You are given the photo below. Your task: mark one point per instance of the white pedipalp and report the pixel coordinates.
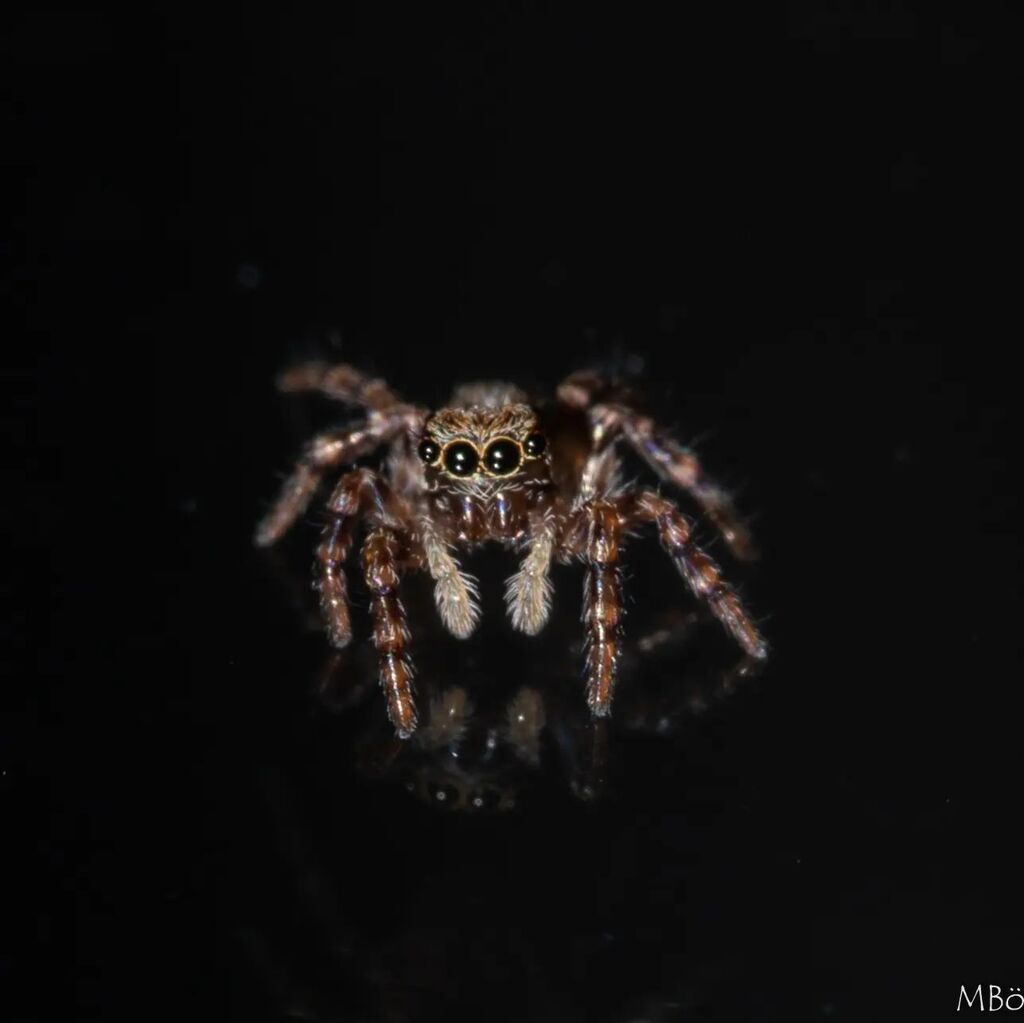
(455, 592)
(528, 592)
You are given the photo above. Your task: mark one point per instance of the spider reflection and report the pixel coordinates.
(379, 909)
(486, 744)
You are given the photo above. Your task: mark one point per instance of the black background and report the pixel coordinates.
(779, 219)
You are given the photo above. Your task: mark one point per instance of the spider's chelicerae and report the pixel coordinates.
(489, 466)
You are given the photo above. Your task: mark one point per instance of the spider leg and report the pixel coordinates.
(322, 454)
(701, 573)
(676, 464)
(581, 389)
(595, 535)
(360, 492)
(340, 382)
(381, 556)
(612, 417)
(528, 592)
(600, 476)
(332, 584)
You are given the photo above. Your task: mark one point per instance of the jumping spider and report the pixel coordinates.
(489, 466)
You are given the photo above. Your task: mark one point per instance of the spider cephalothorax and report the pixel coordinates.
(491, 467)
(475, 445)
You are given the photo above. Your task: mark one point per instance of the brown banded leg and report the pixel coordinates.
(381, 560)
(701, 573)
(340, 382)
(360, 492)
(323, 453)
(612, 417)
(602, 602)
(677, 464)
(331, 582)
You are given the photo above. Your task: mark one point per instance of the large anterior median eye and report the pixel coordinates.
(502, 456)
(461, 459)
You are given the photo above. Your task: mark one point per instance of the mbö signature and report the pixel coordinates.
(976, 999)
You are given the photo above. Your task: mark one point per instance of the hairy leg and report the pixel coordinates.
(331, 582)
(528, 592)
(455, 592)
(600, 475)
(677, 464)
(340, 382)
(381, 557)
(358, 493)
(322, 454)
(612, 417)
(594, 534)
(701, 573)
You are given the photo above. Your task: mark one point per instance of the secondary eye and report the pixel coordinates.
(502, 457)
(461, 459)
(429, 451)
(535, 445)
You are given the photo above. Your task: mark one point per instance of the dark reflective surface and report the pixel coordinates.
(491, 738)
(779, 225)
(508, 836)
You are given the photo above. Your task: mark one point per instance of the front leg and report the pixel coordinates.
(595, 535)
(381, 559)
(331, 583)
(360, 492)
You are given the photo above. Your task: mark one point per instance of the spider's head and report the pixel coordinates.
(484, 446)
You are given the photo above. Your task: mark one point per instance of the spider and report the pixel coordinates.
(543, 480)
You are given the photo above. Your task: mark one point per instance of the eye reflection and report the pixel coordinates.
(461, 459)
(502, 457)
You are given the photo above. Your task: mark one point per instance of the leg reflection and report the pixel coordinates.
(486, 743)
